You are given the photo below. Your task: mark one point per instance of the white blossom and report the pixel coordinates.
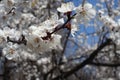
(74, 27)
(108, 21)
(24, 20)
(35, 35)
(43, 61)
(12, 33)
(118, 23)
(11, 51)
(85, 13)
(66, 7)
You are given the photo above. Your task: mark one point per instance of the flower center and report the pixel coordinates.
(83, 12)
(11, 51)
(36, 40)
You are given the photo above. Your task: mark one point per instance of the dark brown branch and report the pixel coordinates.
(51, 71)
(22, 40)
(85, 62)
(64, 25)
(105, 64)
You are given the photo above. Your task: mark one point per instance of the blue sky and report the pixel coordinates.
(70, 51)
(82, 29)
(89, 29)
(77, 2)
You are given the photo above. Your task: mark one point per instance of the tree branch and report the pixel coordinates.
(85, 62)
(64, 47)
(22, 40)
(83, 2)
(105, 64)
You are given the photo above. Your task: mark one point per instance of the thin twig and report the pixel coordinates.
(108, 8)
(65, 45)
(83, 2)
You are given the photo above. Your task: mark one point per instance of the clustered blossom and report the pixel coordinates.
(35, 35)
(12, 33)
(108, 21)
(24, 37)
(115, 34)
(36, 43)
(85, 13)
(112, 24)
(39, 36)
(35, 38)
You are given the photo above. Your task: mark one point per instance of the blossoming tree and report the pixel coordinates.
(35, 36)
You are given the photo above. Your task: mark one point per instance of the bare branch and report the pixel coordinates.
(84, 63)
(104, 64)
